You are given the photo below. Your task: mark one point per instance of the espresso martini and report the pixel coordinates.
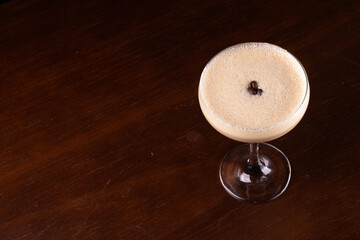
(254, 92)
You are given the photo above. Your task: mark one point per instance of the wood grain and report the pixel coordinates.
(102, 136)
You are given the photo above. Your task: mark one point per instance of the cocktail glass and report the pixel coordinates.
(256, 172)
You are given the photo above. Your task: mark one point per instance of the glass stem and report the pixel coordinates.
(254, 159)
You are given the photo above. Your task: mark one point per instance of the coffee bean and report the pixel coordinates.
(254, 84)
(252, 91)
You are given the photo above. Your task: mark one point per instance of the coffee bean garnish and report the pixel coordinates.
(254, 89)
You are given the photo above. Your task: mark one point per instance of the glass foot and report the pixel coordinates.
(255, 183)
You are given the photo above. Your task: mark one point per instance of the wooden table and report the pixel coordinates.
(102, 136)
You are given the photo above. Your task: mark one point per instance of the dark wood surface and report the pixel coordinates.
(102, 136)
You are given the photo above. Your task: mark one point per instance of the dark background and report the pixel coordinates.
(102, 137)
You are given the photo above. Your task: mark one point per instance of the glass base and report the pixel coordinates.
(255, 184)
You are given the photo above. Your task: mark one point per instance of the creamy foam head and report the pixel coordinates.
(226, 78)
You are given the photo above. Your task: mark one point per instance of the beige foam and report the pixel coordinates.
(230, 108)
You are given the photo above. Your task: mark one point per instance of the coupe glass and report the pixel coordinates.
(256, 172)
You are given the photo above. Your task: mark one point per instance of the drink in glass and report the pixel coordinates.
(254, 93)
